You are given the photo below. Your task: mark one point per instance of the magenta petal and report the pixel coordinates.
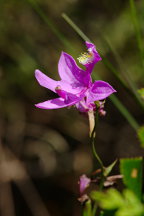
(71, 72)
(53, 104)
(84, 183)
(91, 48)
(45, 81)
(59, 102)
(70, 87)
(51, 84)
(95, 56)
(99, 91)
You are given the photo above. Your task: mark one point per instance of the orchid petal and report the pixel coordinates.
(58, 103)
(45, 81)
(92, 57)
(70, 87)
(51, 84)
(99, 91)
(71, 72)
(91, 48)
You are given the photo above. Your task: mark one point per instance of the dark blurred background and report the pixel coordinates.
(43, 152)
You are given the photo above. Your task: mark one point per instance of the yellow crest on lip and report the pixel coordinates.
(85, 58)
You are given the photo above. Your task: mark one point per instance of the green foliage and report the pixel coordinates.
(110, 200)
(131, 169)
(141, 92)
(117, 204)
(140, 134)
(87, 211)
(108, 169)
(137, 27)
(127, 203)
(107, 213)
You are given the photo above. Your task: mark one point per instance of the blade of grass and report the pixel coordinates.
(75, 27)
(125, 72)
(124, 111)
(49, 23)
(137, 28)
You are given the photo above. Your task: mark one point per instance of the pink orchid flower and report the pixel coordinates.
(75, 86)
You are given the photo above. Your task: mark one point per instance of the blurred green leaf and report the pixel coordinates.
(136, 24)
(87, 211)
(132, 205)
(108, 169)
(110, 200)
(141, 92)
(107, 213)
(117, 204)
(131, 169)
(140, 134)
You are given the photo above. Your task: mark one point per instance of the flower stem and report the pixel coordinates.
(96, 155)
(93, 123)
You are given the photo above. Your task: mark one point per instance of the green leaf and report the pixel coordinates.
(87, 211)
(131, 169)
(108, 169)
(113, 203)
(110, 200)
(107, 213)
(141, 92)
(132, 206)
(140, 134)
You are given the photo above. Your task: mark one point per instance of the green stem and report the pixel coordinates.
(95, 206)
(137, 28)
(93, 123)
(75, 27)
(95, 154)
(94, 209)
